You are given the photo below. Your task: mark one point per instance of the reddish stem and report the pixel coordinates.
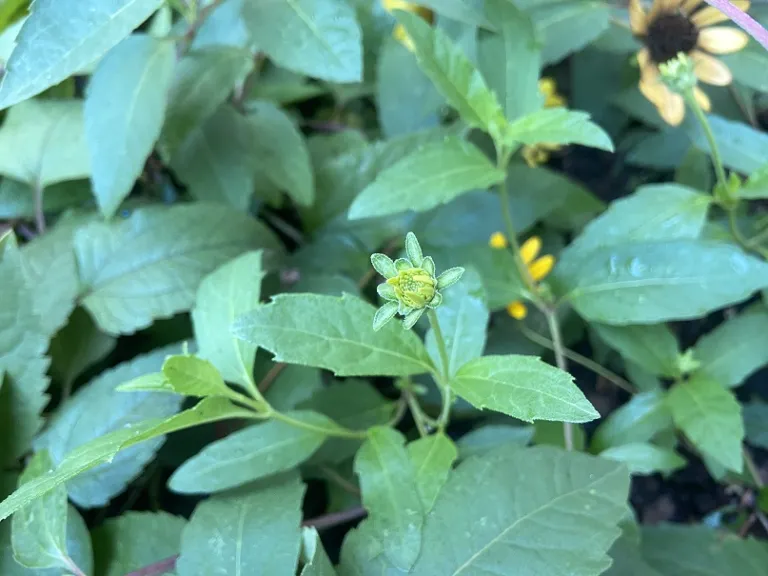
(157, 568)
(743, 20)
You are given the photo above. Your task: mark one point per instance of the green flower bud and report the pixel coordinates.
(414, 287)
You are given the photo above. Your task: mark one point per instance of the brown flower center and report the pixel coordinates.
(669, 34)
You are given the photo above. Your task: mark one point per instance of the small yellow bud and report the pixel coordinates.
(517, 310)
(498, 240)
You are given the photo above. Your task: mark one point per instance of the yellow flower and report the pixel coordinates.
(498, 240)
(399, 32)
(537, 154)
(674, 26)
(538, 268)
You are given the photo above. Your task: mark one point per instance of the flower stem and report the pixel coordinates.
(562, 363)
(510, 226)
(445, 413)
(702, 118)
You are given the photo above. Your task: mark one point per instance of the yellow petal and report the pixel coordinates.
(709, 15)
(498, 240)
(517, 310)
(541, 267)
(710, 70)
(702, 99)
(649, 72)
(689, 6)
(390, 5)
(402, 36)
(671, 106)
(722, 40)
(655, 92)
(638, 21)
(530, 249)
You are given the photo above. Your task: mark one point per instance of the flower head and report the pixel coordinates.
(399, 32)
(538, 269)
(536, 154)
(411, 285)
(673, 27)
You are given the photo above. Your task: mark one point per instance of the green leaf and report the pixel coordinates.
(548, 433)
(742, 148)
(432, 458)
(700, 550)
(17, 199)
(569, 26)
(354, 404)
(332, 333)
(432, 175)
(22, 347)
(482, 440)
(652, 346)
(104, 448)
(316, 562)
(516, 49)
(204, 79)
(281, 153)
(454, 75)
(150, 265)
(627, 556)
(557, 126)
(463, 318)
(505, 508)
(294, 385)
(756, 423)
(232, 290)
(124, 110)
(735, 349)
(653, 212)
(460, 10)
(42, 142)
(51, 272)
(523, 387)
(97, 409)
(643, 458)
(39, 531)
(362, 553)
(78, 346)
(645, 415)
(134, 540)
(747, 65)
(651, 282)
(183, 374)
(710, 416)
(255, 452)
(57, 41)
(216, 161)
(391, 495)
(756, 186)
(319, 38)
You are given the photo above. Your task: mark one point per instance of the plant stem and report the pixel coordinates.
(417, 413)
(579, 359)
(335, 518)
(160, 567)
(715, 151)
(39, 208)
(270, 377)
(752, 468)
(562, 363)
(340, 480)
(442, 421)
(510, 226)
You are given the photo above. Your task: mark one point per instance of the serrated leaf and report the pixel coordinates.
(643, 458)
(150, 265)
(51, 272)
(482, 440)
(700, 550)
(316, 562)
(42, 142)
(294, 385)
(98, 409)
(332, 333)
(432, 458)
(463, 318)
(568, 26)
(104, 448)
(39, 531)
(204, 79)
(255, 452)
(735, 349)
(22, 347)
(742, 148)
(454, 75)
(517, 48)
(390, 494)
(193, 376)
(653, 212)
(56, 41)
(319, 38)
(432, 175)
(557, 126)
(247, 531)
(756, 186)
(651, 282)
(523, 387)
(281, 153)
(78, 346)
(354, 404)
(124, 110)
(531, 499)
(710, 416)
(645, 415)
(135, 540)
(232, 290)
(362, 553)
(756, 423)
(652, 346)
